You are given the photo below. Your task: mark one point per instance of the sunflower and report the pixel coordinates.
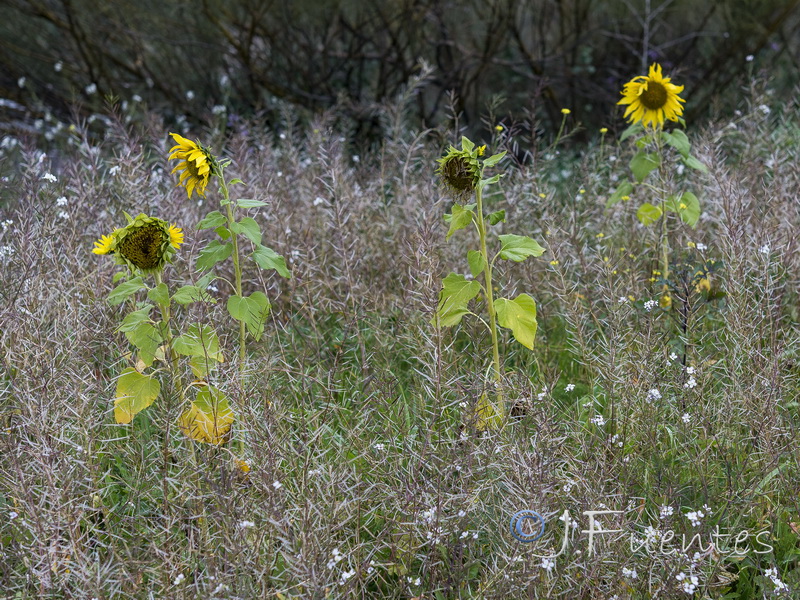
(197, 164)
(104, 245)
(145, 244)
(460, 170)
(652, 99)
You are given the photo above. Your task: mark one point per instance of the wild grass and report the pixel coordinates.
(368, 478)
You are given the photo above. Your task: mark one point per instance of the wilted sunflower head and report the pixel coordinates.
(460, 170)
(196, 163)
(145, 244)
(652, 99)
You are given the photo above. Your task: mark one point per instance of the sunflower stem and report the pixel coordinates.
(177, 382)
(500, 408)
(237, 268)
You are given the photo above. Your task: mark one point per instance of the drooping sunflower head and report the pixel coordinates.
(460, 170)
(197, 164)
(652, 99)
(146, 244)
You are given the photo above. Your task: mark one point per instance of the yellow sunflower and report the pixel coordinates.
(652, 99)
(104, 245)
(197, 164)
(175, 236)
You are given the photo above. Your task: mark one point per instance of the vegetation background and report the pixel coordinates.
(367, 477)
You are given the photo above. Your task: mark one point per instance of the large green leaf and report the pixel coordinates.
(147, 338)
(494, 159)
(642, 164)
(135, 392)
(125, 290)
(519, 247)
(518, 315)
(159, 294)
(454, 297)
(252, 309)
(459, 218)
(623, 189)
(209, 417)
(686, 205)
(267, 258)
(249, 228)
(191, 293)
(693, 163)
(476, 262)
(134, 318)
(497, 217)
(648, 214)
(678, 140)
(199, 340)
(212, 220)
(213, 253)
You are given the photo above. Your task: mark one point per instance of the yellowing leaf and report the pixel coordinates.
(487, 416)
(518, 315)
(135, 392)
(209, 417)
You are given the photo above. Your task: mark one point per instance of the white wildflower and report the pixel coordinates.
(50, 177)
(90, 89)
(277, 485)
(650, 305)
(179, 579)
(599, 420)
(666, 511)
(569, 387)
(62, 201)
(653, 394)
(548, 564)
(695, 517)
(686, 418)
(629, 573)
(691, 383)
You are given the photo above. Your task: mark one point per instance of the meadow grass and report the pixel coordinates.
(355, 413)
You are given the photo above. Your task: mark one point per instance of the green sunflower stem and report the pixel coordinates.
(500, 408)
(664, 225)
(237, 268)
(177, 381)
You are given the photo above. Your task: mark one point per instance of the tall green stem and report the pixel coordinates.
(664, 229)
(236, 265)
(487, 272)
(177, 382)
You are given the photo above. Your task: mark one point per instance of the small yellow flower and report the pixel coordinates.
(197, 164)
(498, 128)
(652, 99)
(626, 198)
(243, 465)
(481, 150)
(604, 130)
(683, 206)
(104, 245)
(632, 299)
(541, 195)
(581, 191)
(175, 236)
(691, 245)
(565, 111)
(600, 235)
(554, 262)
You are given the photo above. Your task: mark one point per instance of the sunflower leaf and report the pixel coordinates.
(476, 262)
(519, 247)
(249, 228)
(135, 392)
(213, 253)
(454, 297)
(466, 144)
(209, 417)
(192, 293)
(459, 218)
(678, 140)
(267, 258)
(632, 130)
(199, 340)
(693, 163)
(497, 217)
(494, 159)
(623, 189)
(125, 290)
(147, 338)
(643, 163)
(212, 220)
(518, 315)
(250, 203)
(648, 214)
(686, 205)
(159, 294)
(252, 310)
